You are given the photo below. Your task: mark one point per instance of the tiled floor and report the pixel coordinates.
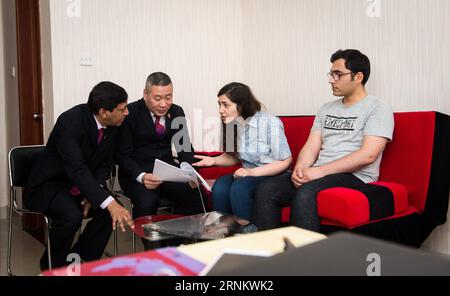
(27, 250)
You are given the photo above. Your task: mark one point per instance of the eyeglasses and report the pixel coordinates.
(336, 76)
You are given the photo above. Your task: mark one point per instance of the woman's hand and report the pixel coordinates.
(242, 172)
(205, 161)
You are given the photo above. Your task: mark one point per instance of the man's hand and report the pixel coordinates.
(313, 173)
(120, 216)
(151, 181)
(86, 207)
(297, 177)
(242, 172)
(205, 161)
(301, 176)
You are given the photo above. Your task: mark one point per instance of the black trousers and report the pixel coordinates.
(186, 201)
(66, 213)
(279, 192)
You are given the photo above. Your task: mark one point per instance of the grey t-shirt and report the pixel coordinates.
(343, 129)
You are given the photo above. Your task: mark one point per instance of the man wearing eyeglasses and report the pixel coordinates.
(344, 148)
(68, 181)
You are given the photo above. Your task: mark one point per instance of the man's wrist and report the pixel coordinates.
(140, 178)
(111, 204)
(106, 202)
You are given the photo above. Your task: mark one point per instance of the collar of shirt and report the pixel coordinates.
(250, 122)
(99, 126)
(162, 119)
(253, 122)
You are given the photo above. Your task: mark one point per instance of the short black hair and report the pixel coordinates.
(158, 79)
(106, 95)
(242, 96)
(355, 61)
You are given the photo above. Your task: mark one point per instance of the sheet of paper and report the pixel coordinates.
(192, 172)
(170, 173)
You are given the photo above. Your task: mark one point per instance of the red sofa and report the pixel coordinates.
(411, 197)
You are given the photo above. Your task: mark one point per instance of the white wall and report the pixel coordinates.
(47, 67)
(9, 114)
(197, 42)
(280, 48)
(3, 147)
(288, 44)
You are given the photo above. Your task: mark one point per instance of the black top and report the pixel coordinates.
(140, 145)
(72, 157)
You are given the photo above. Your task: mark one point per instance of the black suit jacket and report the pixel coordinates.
(139, 144)
(72, 157)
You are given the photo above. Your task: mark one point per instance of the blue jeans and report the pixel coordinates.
(235, 196)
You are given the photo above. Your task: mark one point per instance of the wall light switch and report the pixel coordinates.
(13, 72)
(86, 62)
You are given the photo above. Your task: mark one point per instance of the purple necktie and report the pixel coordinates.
(101, 134)
(160, 129)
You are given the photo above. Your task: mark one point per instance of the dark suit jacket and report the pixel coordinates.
(72, 157)
(139, 145)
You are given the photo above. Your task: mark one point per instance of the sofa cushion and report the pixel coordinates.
(352, 207)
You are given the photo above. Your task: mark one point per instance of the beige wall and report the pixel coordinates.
(197, 42)
(288, 44)
(47, 68)
(9, 118)
(280, 48)
(3, 162)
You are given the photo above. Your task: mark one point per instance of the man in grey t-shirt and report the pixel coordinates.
(344, 148)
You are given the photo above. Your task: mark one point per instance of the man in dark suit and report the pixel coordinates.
(68, 181)
(153, 125)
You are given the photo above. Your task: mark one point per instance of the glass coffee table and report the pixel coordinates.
(148, 234)
(207, 226)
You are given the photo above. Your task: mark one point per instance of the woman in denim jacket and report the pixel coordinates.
(262, 149)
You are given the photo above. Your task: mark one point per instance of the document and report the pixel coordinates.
(184, 174)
